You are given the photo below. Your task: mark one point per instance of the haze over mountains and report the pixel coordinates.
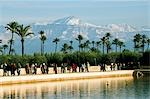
(68, 28)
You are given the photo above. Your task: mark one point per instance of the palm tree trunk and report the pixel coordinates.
(79, 45)
(147, 46)
(134, 46)
(10, 47)
(56, 47)
(143, 47)
(107, 49)
(43, 48)
(4, 51)
(120, 49)
(12, 36)
(116, 48)
(22, 42)
(103, 47)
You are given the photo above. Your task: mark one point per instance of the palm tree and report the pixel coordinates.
(12, 26)
(116, 41)
(71, 43)
(71, 47)
(23, 32)
(121, 44)
(5, 46)
(103, 39)
(98, 43)
(144, 40)
(93, 46)
(108, 46)
(82, 47)
(56, 40)
(1, 50)
(137, 41)
(93, 43)
(86, 44)
(12, 51)
(42, 38)
(65, 47)
(108, 35)
(79, 38)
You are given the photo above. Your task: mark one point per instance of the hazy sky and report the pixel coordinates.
(100, 12)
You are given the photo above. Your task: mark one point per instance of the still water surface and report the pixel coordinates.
(104, 88)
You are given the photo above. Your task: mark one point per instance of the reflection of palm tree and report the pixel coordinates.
(116, 41)
(43, 38)
(79, 38)
(23, 32)
(56, 40)
(5, 46)
(12, 26)
(121, 44)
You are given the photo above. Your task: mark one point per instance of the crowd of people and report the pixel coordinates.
(15, 69)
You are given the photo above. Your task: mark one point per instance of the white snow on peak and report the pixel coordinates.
(40, 23)
(90, 25)
(120, 28)
(71, 20)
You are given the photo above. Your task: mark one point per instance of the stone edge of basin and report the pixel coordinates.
(62, 77)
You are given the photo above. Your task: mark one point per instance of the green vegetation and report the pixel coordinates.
(91, 51)
(93, 57)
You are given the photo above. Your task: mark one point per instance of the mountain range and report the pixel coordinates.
(68, 28)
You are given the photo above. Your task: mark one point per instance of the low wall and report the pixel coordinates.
(61, 77)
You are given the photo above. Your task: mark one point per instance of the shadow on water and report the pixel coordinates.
(104, 88)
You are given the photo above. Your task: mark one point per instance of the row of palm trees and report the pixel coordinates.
(140, 41)
(21, 30)
(106, 41)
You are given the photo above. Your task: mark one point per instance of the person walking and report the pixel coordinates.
(87, 67)
(27, 67)
(35, 68)
(18, 69)
(4, 67)
(55, 68)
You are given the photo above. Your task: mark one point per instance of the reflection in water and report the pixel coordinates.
(104, 88)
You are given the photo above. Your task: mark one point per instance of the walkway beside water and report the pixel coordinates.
(61, 77)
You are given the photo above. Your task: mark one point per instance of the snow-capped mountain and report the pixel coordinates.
(69, 27)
